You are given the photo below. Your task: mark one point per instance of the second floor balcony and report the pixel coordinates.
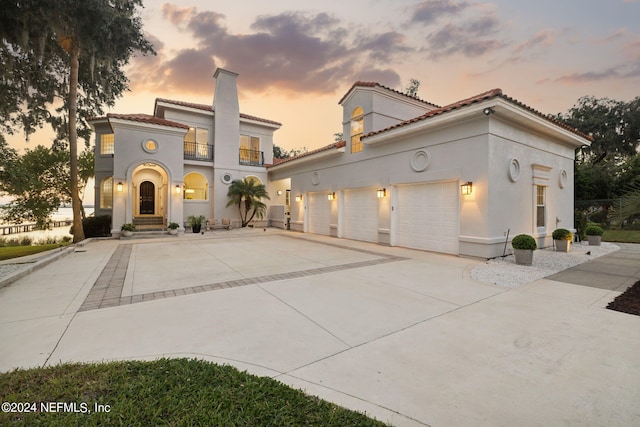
(195, 151)
(251, 157)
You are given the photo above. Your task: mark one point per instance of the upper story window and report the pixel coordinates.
(106, 143)
(357, 128)
(197, 135)
(250, 153)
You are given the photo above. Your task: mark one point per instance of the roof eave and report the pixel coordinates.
(271, 125)
(500, 106)
(138, 124)
(307, 159)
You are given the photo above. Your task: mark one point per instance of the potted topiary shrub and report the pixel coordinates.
(196, 222)
(127, 229)
(562, 239)
(594, 235)
(523, 247)
(173, 227)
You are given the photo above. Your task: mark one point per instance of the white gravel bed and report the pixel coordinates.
(505, 272)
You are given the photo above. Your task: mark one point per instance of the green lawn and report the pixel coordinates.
(622, 236)
(9, 252)
(166, 392)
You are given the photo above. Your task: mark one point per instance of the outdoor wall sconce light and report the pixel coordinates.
(279, 192)
(382, 193)
(178, 189)
(331, 196)
(299, 198)
(488, 110)
(119, 187)
(466, 188)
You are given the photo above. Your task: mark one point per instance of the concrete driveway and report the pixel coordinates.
(404, 335)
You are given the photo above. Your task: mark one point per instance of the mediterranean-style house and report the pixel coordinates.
(457, 179)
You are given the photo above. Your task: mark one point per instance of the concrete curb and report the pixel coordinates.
(44, 260)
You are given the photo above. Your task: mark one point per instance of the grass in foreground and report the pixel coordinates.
(166, 392)
(18, 251)
(621, 236)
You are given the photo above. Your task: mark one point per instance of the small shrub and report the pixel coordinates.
(594, 230)
(173, 225)
(128, 227)
(562, 234)
(26, 241)
(97, 226)
(524, 241)
(66, 239)
(13, 242)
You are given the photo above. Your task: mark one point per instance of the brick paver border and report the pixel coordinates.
(107, 290)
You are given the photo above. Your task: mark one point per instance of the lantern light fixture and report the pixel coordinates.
(119, 187)
(331, 196)
(178, 189)
(466, 188)
(382, 193)
(299, 198)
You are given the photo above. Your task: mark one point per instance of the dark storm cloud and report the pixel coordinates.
(296, 52)
(428, 12)
(471, 40)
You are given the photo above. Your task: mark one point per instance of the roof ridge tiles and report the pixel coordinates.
(360, 83)
(209, 108)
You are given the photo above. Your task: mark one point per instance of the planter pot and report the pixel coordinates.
(523, 256)
(173, 231)
(594, 240)
(196, 228)
(127, 233)
(563, 245)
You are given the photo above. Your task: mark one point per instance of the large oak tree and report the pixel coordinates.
(62, 62)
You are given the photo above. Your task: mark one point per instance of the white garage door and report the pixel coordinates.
(361, 214)
(319, 213)
(427, 217)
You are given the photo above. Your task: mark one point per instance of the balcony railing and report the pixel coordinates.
(195, 151)
(251, 157)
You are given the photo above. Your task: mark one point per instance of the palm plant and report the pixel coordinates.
(247, 194)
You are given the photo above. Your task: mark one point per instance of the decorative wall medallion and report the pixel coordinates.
(149, 145)
(315, 178)
(226, 178)
(514, 170)
(420, 160)
(564, 177)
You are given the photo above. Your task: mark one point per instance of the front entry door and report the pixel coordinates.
(147, 198)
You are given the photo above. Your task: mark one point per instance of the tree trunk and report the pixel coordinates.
(76, 202)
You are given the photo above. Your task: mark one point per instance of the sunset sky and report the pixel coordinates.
(296, 59)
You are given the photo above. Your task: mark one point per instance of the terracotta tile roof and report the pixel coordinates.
(374, 84)
(209, 108)
(146, 118)
(335, 145)
(494, 93)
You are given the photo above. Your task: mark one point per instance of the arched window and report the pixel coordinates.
(357, 128)
(106, 193)
(196, 187)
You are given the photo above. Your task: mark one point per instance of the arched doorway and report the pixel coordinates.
(147, 198)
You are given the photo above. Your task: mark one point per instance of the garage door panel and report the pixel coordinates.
(319, 213)
(427, 217)
(361, 215)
